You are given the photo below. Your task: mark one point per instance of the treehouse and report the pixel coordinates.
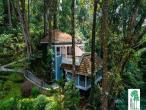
(61, 44)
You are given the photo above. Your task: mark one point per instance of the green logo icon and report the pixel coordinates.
(134, 99)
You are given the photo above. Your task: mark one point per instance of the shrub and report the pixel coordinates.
(40, 102)
(53, 105)
(7, 86)
(1, 86)
(71, 96)
(56, 103)
(25, 104)
(35, 92)
(9, 104)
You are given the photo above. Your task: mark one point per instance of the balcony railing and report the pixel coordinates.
(68, 59)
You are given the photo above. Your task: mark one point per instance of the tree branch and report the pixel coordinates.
(132, 21)
(139, 24)
(140, 46)
(141, 34)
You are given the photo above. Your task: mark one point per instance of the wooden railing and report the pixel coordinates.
(37, 82)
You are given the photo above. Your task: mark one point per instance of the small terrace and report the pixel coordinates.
(68, 59)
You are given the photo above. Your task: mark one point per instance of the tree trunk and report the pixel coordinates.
(9, 13)
(73, 38)
(92, 98)
(45, 18)
(104, 40)
(14, 12)
(28, 13)
(55, 14)
(24, 24)
(55, 21)
(5, 12)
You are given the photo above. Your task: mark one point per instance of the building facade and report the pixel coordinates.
(61, 44)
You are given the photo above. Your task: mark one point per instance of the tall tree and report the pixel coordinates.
(104, 43)
(9, 13)
(24, 24)
(55, 8)
(93, 46)
(126, 37)
(28, 13)
(73, 38)
(49, 8)
(45, 18)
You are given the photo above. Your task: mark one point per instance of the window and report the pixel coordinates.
(69, 52)
(58, 51)
(88, 81)
(69, 76)
(82, 80)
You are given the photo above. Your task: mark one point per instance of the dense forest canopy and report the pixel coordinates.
(115, 30)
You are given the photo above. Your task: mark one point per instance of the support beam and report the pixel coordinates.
(85, 81)
(78, 80)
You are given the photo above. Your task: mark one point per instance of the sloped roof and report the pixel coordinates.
(59, 37)
(85, 66)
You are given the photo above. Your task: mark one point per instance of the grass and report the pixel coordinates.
(15, 90)
(15, 77)
(10, 85)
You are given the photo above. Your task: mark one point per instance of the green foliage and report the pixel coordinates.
(71, 96)
(40, 102)
(7, 86)
(133, 74)
(12, 47)
(54, 105)
(122, 102)
(25, 104)
(16, 78)
(9, 89)
(88, 46)
(35, 91)
(10, 85)
(9, 104)
(50, 65)
(36, 64)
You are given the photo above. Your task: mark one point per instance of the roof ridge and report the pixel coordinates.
(59, 37)
(83, 55)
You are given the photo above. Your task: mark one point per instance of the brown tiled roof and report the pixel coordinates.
(85, 66)
(58, 37)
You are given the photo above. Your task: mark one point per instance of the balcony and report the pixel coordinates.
(68, 59)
